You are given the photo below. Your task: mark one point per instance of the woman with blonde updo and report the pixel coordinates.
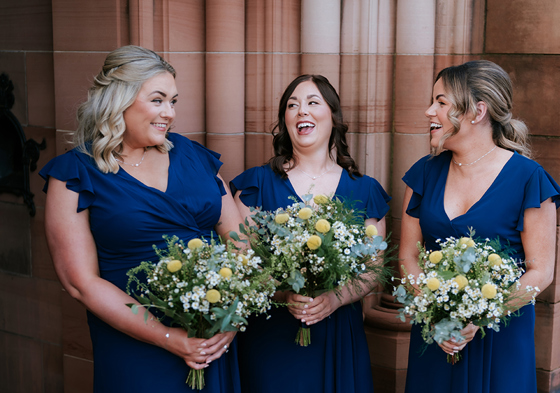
(479, 176)
(127, 182)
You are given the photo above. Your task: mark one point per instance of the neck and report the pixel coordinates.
(313, 163)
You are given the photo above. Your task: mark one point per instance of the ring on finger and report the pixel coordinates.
(225, 346)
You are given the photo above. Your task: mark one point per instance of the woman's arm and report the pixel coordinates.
(74, 254)
(539, 242)
(313, 310)
(411, 234)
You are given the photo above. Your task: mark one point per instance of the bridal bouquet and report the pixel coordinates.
(466, 281)
(203, 288)
(311, 250)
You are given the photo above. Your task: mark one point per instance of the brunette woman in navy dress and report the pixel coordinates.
(479, 176)
(128, 182)
(311, 156)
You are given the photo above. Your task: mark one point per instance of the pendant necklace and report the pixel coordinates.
(474, 162)
(126, 163)
(316, 177)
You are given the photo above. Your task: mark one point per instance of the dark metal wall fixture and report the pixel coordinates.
(18, 156)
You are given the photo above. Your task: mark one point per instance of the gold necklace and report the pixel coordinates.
(316, 177)
(474, 162)
(126, 163)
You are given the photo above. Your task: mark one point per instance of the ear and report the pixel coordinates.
(481, 110)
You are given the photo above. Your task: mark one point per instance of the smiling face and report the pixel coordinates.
(437, 113)
(148, 119)
(308, 118)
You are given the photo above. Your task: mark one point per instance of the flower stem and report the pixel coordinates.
(195, 380)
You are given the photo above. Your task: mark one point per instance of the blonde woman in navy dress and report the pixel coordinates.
(311, 155)
(479, 176)
(128, 182)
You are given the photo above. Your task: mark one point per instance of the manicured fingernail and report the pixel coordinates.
(455, 348)
(303, 320)
(203, 353)
(310, 299)
(303, 312)
(305, 306)
(208, 362)
(203, 344)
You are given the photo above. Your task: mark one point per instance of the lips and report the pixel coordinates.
(305, 127)
(160, 126)
(435, 126)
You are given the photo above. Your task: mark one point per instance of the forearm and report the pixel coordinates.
(108, 302)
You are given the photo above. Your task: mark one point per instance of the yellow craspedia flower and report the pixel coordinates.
(281, 218)
(321, 199)
(489, 291)
(305, 213)
(436, 256)
(432, 283)
(314, 242)
(194, 244)
(464, 240)
(174, 265)
(471, 243)
(225, 272)
(461, 281)
(494, 259)
(213, 296)
(371, 231)
(322, 226)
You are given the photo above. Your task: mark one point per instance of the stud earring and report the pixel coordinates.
(472, 121)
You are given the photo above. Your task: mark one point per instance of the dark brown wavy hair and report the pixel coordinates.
(283, 149)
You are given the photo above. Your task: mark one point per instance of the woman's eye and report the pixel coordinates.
(173, 102)
(291, 105)
(313, 103)
(157, 100)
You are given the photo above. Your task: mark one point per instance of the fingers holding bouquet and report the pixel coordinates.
(323, 306)
(190, 349)
(453, 346)
(218, 345)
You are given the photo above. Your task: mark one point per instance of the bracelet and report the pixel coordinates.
(166, 338)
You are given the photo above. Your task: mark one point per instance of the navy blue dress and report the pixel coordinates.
(499, 362)
(337, 361)
(126, 219)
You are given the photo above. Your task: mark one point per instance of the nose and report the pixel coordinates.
(430, 112)
(302, 110)
(167, 110)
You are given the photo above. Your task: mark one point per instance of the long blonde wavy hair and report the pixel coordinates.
(100, 119)
(481, 80)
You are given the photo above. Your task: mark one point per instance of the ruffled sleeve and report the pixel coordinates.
(250, 184)
(211, 161)
(414, 178)
(70, 169)
(538, 189)
(377, 202)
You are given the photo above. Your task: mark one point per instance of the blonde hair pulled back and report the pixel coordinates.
(482, 80)
(115, 88)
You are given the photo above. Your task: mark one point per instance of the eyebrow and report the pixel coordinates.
(162, 93)
(440, 95)
(308, 97)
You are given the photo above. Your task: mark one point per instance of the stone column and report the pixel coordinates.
(272, 61)
(225, 83)
(320, 38)
(181, 38)
(366, 83)
(415, 39)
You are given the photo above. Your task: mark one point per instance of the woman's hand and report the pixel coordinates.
(217, 345)
(198, 353)
(312, 310)
(451, 346)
